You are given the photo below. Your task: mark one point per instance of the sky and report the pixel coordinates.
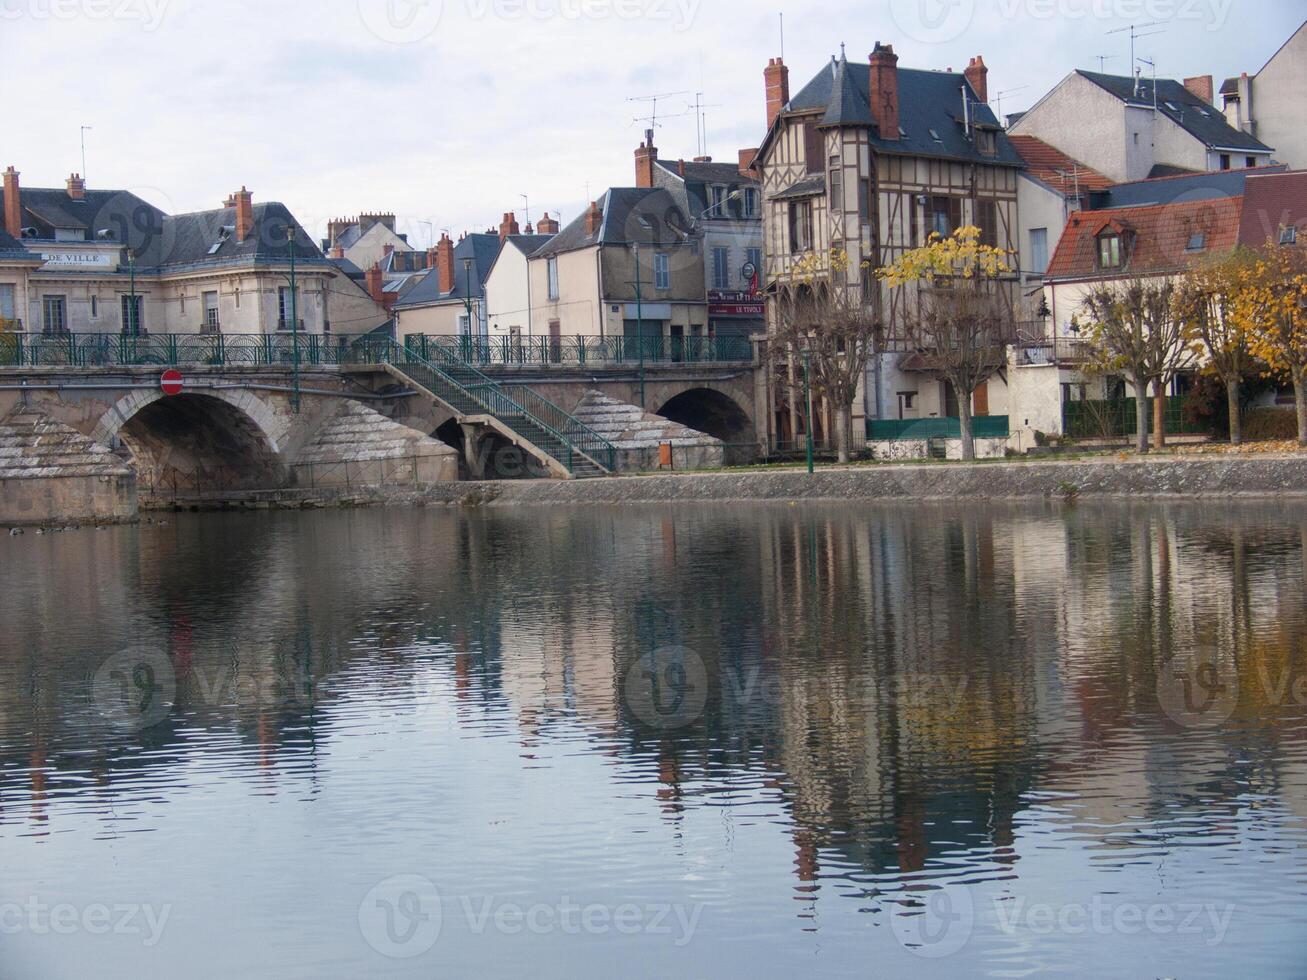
(448, 112)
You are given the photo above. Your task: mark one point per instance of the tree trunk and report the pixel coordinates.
(1159, 414)
(964, 416)
(1141, 416)
(1300, 402)
(793, 395)
(1232, 400)
(842, 432)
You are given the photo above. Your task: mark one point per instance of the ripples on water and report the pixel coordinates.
(835, 741)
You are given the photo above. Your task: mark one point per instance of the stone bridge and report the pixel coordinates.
(235, 428)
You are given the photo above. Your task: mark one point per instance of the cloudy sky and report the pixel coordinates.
(448, 111)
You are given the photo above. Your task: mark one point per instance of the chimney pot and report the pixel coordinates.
(445, 262)
(13, 204)
(594, 219)
(977, 74)
(244, 201)
(376, 288)
(76, 187)
(547, 225)
(508, 226)
(884, 89)
(777, 78)
(646, 158)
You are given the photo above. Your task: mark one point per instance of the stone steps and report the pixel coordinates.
(35, 446)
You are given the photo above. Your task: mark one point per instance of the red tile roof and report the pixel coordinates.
(1053, 167)
(1156, 238)
(1272, 202)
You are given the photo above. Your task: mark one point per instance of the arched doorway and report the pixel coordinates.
(709, 411)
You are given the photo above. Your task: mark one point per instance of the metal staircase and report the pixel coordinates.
(563, 443)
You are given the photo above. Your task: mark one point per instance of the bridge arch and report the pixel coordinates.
(711, 411)
(197, 441)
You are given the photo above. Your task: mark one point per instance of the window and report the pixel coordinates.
(1225, 161)
(1038, 250)
(721, 268)
(836, 184)
(7, 315)
(211, 312)
(800, 226)
(238, 297)
(1250, 162)
(814, 148)
(662, 271)
(750, 202)
(95, 307)
(1197, 242)
(987, 142)
(54, 314)
(864, 199)
(131, 316)
(1109, 252)
(945, 215)
(987, 222)
(464, 325)
(719, 196)
(284, 309)
(753, 257)
(1288, 236)
(551, 269)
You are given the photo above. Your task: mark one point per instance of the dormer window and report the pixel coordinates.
(987, 142)
(719, 195)
(1109, 250)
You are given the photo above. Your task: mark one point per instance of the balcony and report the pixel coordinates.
(1035, 347)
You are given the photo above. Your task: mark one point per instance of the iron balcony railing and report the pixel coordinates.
(113, 349)
(584, 350)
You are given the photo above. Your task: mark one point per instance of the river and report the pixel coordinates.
(708, 740)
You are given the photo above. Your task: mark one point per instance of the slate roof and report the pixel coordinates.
(1055, 168)
(1188, 187)
(1272, 202)
(699, 177)
(482, 248)
(624, 208)
(1202, 121)
(12, 248)
(163, 241)
(1156, 237)
(808, 187)
(928, 100)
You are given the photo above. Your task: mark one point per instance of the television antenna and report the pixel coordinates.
(526, 207)
(84, 131)
(1103, 59)
(652, 101)
(701, 121)
(1135, 36)
(998, 99)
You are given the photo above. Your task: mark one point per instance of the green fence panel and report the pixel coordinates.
(1118, 418)
(893, 430)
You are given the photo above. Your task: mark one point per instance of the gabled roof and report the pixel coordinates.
(650, 216)
(1272, 202)
(697, 180)
(1157, 238)
(12, 249)
(482, 248)
(1190, 187)
(928, 101)
(1204, 122)
(1054, 168)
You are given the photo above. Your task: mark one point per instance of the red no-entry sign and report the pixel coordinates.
(172, 382)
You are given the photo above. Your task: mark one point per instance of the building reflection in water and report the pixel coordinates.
(906, 690)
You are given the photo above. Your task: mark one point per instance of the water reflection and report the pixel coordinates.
(833, 714)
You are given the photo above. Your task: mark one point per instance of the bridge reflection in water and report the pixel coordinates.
(851, 711)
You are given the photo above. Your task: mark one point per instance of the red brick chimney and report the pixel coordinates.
(978, 75)
(76, 187)
(529, 229)
(594, 219)
(885, 91)
(703, 159)
(547, 226)
(746, 162)
(445, 263)
(778, 88)
(509, 225)
(244, 214)
(375, 285)
(387, 249)
(1202, 86)
(337, 251)
(13, 204)
(646, 158)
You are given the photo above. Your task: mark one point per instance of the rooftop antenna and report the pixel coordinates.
(84, 129)
(526, 207)
(1103, 59)
(782, 16)
(998, 99)
(1152, 65)
(1134, 30)
(701, 121)
(652, 118)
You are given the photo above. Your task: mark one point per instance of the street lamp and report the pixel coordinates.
(639, 317)
(294, 320)
(807, 405)
(467, 305)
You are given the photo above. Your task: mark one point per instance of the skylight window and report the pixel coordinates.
(1289, 235)
(935, 136)
(1197, 242)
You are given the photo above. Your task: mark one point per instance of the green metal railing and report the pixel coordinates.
(891, 430)
(1117, 419)
(111, 349)
(470, 392)
(584, 350)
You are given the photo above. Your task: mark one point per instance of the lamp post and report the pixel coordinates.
(467, 305)
(132, 328)
(639, 318)
(294, 321)
(807, 405)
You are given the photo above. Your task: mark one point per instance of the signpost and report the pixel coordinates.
(172, 382)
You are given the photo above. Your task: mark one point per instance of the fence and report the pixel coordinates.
(1118, 418)
(105, 349)
(982, 427)
(583, 350)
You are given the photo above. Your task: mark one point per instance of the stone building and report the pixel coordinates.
(508, 283)
(108, 262)
(1270, 105)
(871, 159)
